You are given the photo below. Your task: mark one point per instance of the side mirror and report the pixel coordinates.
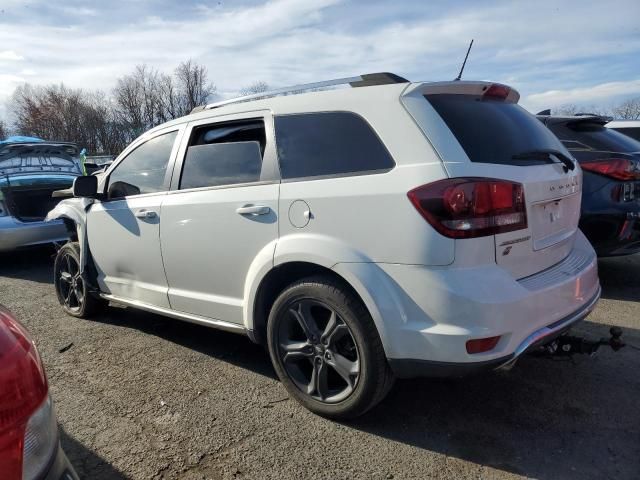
(85, 186)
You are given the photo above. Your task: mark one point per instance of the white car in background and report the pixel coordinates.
(391, 229)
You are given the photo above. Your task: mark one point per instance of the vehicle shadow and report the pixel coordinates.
(87, 463)
(546, 418)
(34, 264)
(229, 347)
(620, 277)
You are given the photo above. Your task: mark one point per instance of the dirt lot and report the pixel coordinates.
(144, 397)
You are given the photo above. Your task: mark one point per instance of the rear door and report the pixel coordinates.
(221, 214)
(486, 134)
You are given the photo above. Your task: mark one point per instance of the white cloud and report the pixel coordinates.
(582, 96)
(543, 49)
(10, 55)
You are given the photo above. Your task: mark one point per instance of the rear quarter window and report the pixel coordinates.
(493, 131)
(328, 144)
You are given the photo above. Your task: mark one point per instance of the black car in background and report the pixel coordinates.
(631, 128)
(610, 216)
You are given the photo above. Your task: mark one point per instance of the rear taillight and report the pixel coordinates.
(618, 168)
(471, 207)
(28, 433)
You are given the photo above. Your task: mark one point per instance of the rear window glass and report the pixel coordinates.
(330, 143)
(595, 136)
(493, 131)
(629, 132)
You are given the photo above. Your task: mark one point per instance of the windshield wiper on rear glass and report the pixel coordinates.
(546, 155)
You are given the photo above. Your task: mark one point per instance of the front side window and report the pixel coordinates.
(144, 169)
(224, 154)
(328, 143)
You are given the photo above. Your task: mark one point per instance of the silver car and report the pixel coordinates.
(29, 173)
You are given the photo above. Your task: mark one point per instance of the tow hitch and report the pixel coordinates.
(567, 345)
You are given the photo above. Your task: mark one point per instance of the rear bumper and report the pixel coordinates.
(61, 468)
(404, 368)
(426, 315)
(15, 234)
(613, 234)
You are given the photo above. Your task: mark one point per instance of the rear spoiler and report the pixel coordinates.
(548, 119)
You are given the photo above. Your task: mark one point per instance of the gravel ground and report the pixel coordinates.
(144, 397)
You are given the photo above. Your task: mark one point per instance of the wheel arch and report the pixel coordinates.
(73, 212)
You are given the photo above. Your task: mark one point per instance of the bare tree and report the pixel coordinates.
(193, 86)
(55, 112)
(570, 109)
(628, 110)
(255, 87)
(4, 133)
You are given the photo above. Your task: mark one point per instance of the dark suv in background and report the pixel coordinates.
(610, 216)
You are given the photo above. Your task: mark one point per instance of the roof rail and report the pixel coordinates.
(366, 80)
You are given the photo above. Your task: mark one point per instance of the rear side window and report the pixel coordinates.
(595, 136)
(224, 154)
(493, 131)
(329, 143)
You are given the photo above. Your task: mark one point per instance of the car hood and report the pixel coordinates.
(39, 158)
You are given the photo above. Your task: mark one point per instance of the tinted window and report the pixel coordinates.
(630, 132)
(596, 136)
(144, 169)
(224, 154)
(493, 131)
(333, 143)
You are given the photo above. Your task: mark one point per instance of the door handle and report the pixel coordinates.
(253, 210)
(146, 214)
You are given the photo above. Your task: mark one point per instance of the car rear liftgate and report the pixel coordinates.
(30, 173)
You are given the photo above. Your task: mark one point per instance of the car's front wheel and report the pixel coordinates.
(71, 286)
(326, 350)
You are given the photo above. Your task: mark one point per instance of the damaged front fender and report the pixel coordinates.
(75, 210)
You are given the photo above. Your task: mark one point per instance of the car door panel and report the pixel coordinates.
(211, 235)
(126, 249)
(124, 232)
(208, 246)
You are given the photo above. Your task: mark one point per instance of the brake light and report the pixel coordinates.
(471, 207)
(24, 405)
(481, 345)
(497, 91)
(618, 168)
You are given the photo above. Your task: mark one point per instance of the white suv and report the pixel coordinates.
(390, 229)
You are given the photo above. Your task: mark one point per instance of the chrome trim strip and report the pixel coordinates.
(549, 330)
(207, 322)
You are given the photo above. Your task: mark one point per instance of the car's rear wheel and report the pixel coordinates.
(326, 350)
(71, 285)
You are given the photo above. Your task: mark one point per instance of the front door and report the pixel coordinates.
(221, 215)
(124, 228)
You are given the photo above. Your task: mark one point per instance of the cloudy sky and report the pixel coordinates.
(584, 52)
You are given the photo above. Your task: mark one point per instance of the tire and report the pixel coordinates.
(326, 349)
(71, 287)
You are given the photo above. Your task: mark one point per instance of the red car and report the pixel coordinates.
(29, 442)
